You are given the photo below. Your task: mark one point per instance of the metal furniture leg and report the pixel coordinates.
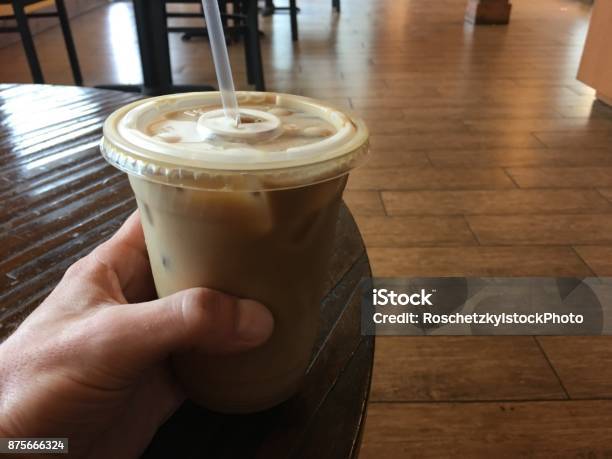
(27, 41)
(254, 48)
(293, 10)
(70, 48)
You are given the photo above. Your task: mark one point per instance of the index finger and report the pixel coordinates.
(126, 254)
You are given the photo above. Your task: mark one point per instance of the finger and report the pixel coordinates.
(205, 320)
(131, 233)
(126, 255)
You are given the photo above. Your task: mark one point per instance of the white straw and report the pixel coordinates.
(221, 59)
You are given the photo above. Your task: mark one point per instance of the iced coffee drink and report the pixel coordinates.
(247, 209)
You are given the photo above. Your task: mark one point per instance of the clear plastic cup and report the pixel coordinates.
(250, 213)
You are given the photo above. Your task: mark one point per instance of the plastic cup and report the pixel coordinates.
(251, 213)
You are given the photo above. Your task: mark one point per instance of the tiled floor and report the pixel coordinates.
(488, 158)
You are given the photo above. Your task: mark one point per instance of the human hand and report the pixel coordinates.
(91, 362)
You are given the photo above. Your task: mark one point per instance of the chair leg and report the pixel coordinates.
(269, 8)
(293, 10)
(28, 42)
(70, 48)
(253, 48)
(223, 10)
(336, 5)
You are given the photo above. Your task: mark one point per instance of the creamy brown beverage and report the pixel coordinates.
(250, 210)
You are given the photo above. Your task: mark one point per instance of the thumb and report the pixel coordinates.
(205, 320)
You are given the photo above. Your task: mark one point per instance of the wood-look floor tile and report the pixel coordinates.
(461, 368)
(486, 111)
(494, 202)
(414, 231)
(547, 97)
(388, 143)
(521, 157)
(366, 92)
(563, 139)
(551, 98)
(542, 229)
(599, 258)
(393, 157)
(580, 88)
(364, 202)
(606, 193)
(560, 429)
(562, 177)
(595, 110)
(405, 127)
(307, 82)
(335, 92)
(476, 261)
(577, 125)
(584, 363)
(340, 102)
(428, 178)
(426, 103)
(444, 86)
(460, 139)
(378, 114)
(545, 82)
(512, 92)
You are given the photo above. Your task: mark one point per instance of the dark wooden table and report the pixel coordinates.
(59, 199)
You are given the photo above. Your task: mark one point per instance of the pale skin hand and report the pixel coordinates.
(91, 362)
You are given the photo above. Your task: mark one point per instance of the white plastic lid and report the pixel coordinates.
(184, 140)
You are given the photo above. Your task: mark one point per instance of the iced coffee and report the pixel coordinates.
(247, 209)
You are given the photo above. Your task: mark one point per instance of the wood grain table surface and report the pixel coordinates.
(59, 199)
